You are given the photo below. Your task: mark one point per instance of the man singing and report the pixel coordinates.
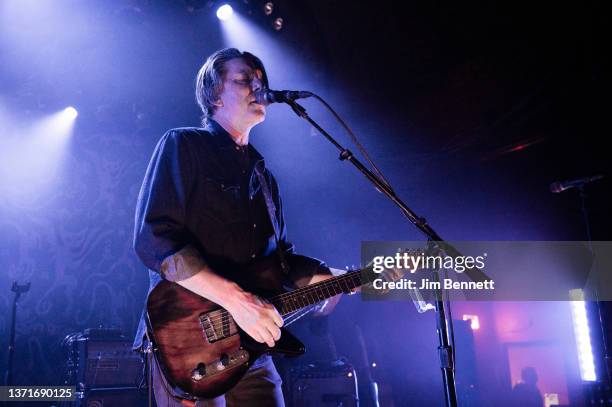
(201, 213)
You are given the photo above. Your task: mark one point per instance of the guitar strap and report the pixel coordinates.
(265, 189)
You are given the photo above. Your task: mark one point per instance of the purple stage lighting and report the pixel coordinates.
(224, 12)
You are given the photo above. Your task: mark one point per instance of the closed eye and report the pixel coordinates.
(246, 80)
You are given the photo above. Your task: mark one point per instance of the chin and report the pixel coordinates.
(260, 115)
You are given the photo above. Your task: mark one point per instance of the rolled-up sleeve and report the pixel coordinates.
(162, 240)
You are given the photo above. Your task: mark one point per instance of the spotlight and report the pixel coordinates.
(224, 12)
(71, 113)
(278, 24)
(268, 8)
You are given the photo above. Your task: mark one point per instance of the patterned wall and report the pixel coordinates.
(70, 236)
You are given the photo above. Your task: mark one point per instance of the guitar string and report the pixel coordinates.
(303, 291)
(306, 290)
(224, 314)
(226, 318)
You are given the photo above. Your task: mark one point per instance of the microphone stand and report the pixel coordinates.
(18, 290)
(444, 316)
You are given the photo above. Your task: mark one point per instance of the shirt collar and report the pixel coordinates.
(222, 138)
(225, 141)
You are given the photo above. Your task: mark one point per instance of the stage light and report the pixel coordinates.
(33, 155)
(268, 8)
(583, 336)
(224, 12)
(474, 322)
(71, 113)
(278, 24)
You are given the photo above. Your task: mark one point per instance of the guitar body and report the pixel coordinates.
(200, 349)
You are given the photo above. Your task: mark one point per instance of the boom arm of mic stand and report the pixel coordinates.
(444, 319)
(421, 223)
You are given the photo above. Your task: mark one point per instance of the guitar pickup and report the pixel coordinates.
(217, 325)
(209, 329)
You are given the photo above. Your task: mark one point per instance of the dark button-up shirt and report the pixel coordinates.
(201, 205)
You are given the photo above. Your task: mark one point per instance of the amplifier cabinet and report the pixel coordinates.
(97, 363)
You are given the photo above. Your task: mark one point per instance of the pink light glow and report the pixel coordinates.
(474, 322)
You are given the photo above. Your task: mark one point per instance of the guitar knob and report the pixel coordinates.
(199, 372)
(225, 360)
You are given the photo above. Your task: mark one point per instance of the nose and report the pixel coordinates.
(256, 84)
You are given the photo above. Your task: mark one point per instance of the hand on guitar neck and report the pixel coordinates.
(329, 305)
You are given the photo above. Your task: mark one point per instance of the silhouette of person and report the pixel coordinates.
(526, 393)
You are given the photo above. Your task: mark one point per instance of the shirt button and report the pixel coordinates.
(254, 225)
(253, 255)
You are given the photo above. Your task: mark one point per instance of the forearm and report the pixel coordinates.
(316, 278)
(328, 305)
(256, 317)
(208, 284)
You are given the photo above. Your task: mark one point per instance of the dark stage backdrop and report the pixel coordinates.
(74, 245)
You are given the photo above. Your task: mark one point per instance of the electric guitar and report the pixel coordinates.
(199, 347)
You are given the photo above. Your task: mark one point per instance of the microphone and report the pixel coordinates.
(561, 186)
(267, 96)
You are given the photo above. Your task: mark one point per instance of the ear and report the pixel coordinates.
(218, 102)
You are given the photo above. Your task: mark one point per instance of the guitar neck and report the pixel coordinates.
(295, 300)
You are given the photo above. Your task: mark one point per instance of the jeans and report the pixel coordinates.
(260, 387)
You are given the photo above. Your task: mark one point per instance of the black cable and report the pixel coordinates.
(354, 138)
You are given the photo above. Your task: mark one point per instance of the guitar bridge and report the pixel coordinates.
(217, 325)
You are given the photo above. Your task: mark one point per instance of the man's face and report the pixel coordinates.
(238, 95)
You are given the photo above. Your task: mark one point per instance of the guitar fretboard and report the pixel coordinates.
(292, 301)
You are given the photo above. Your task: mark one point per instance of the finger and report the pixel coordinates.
(276, 333)
(255, 335)
(267, 337)
(276, 317)
(273, 330)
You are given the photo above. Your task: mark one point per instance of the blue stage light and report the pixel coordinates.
(71, 113)
(224, 12)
